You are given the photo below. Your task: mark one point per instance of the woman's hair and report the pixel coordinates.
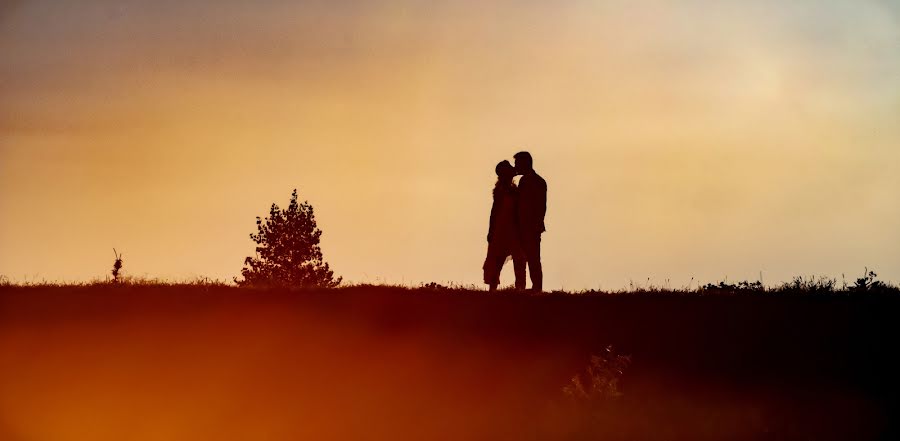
(505, 174)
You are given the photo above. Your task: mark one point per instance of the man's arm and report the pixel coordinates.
(543, 204)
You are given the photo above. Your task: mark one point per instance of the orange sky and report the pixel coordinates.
(703, 139)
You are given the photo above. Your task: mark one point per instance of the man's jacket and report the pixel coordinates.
(532, 204)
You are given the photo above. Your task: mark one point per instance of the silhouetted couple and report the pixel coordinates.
(517, 222)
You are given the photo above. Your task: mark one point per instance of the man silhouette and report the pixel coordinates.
(532, 208)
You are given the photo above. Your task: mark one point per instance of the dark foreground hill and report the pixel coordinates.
(201, 363)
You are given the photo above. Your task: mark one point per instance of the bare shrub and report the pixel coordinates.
(600, 381)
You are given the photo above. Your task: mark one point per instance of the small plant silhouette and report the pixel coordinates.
(117, 266)
(868, 282)
(288, 252)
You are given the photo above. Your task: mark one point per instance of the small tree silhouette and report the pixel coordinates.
(287, 251)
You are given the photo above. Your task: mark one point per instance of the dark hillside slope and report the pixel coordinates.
(384, 363)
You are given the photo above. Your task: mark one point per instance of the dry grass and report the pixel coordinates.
(806, 286)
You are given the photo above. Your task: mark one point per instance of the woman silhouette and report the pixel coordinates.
(503, 233)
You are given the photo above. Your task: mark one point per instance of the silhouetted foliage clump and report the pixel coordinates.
(600, 381)
(117, 266)
(739, 287)
(868, 283)
(809, 285)
(288, 252)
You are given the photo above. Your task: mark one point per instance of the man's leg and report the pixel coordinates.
(533, 254)
(519, 262)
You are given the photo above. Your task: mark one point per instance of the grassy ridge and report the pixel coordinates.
(437, 363)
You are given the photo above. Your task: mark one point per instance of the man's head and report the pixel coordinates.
(524, 163)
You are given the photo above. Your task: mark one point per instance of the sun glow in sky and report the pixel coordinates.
(679, 139)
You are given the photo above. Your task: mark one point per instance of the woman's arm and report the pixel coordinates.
(491, 222)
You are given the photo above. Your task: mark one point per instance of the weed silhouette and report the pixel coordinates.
(117, 266)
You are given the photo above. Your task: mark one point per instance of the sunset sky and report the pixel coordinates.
(679, 139)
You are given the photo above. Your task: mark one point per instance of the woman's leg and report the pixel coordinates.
(496, 267)
(491, 271)
(519, 264)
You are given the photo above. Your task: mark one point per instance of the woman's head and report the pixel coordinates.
(505, 174)
(505, 171)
